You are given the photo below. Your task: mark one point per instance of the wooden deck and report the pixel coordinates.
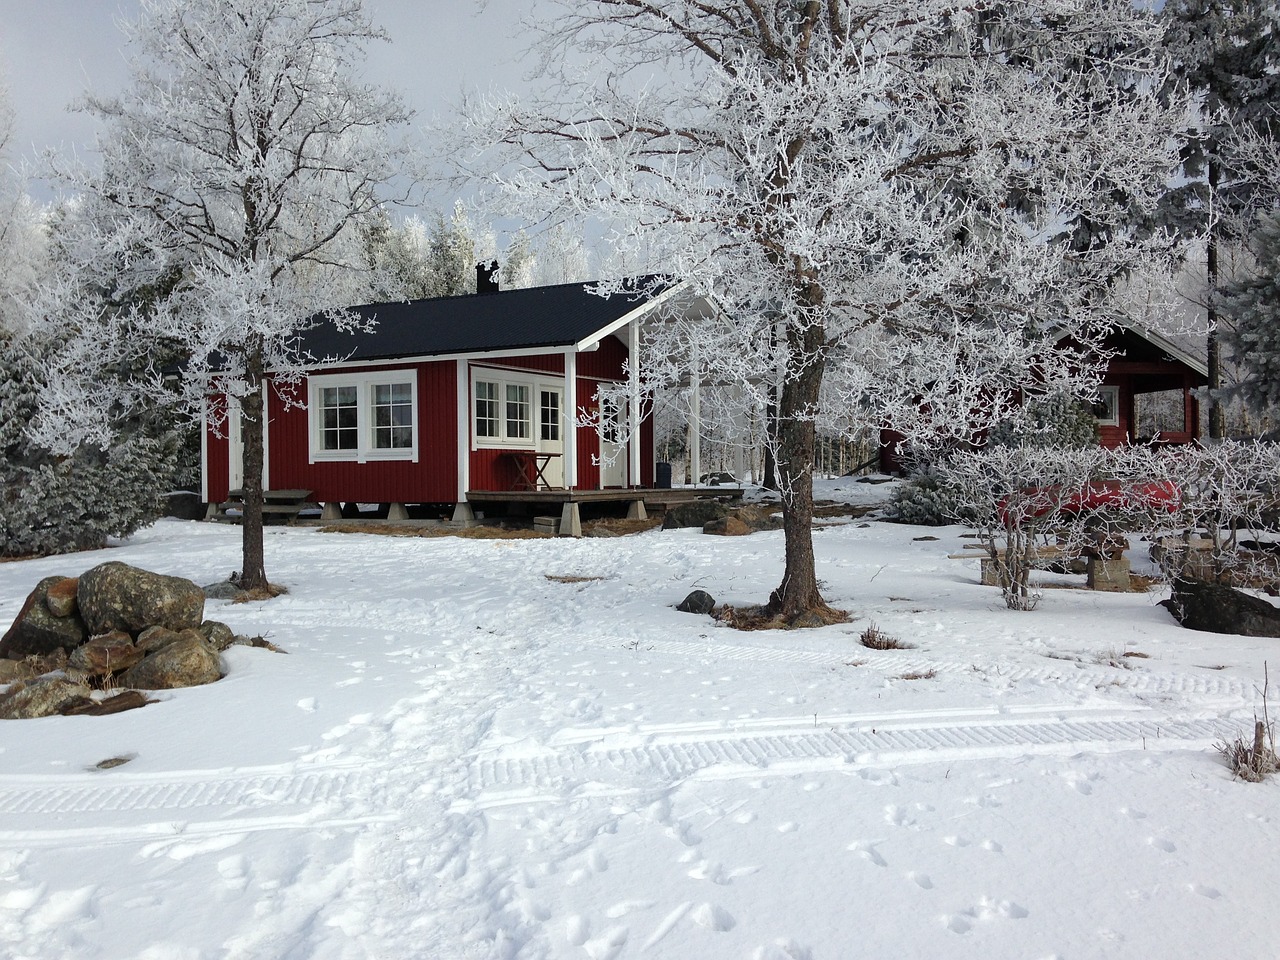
(639, 500)
(650, 496)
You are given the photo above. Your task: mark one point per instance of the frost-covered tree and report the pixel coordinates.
(881, 200)
(235, 169)
(1227, 55)
(22, 237)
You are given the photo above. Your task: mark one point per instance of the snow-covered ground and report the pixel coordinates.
(460, 757)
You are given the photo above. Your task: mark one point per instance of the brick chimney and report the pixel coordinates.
(487, 277)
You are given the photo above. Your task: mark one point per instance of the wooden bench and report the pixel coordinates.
(276, 505)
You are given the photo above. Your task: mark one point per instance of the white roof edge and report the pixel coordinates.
(631, 316)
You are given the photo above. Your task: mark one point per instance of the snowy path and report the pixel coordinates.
(460, 758)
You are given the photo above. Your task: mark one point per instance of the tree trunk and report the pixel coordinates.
(1217, 416)
(253, 574)
(797, 596)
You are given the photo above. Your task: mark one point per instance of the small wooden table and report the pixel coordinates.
(530, 469)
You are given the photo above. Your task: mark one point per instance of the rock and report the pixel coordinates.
(104, 655)
(719, 479)
(217, 635)
(42, 697)
(187, 662)
(60, 598)
(758, 518)
(695, 513)
(12, 671)
(185, 505)
(155, 638)
(699, 602)
(37, 631)
(223, 590)
(729, 526)
(1216, 608)
(116, 596)
(88, 707)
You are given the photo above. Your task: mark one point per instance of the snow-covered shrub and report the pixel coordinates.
(53, 504)
(1223, 527)
(1031, 501)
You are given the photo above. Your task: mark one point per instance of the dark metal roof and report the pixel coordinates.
(533, 318)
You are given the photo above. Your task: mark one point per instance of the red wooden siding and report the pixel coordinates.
(433, 479)
(217, 452)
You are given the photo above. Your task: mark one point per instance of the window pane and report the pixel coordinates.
(339, 418)
(519, 419)
(392, 404)
(549, 419)
(486, 409)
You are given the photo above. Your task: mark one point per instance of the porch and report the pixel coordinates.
(640, 501)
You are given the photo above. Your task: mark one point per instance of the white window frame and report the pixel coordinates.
(364, 384)
(505, 377)
(1109, 401)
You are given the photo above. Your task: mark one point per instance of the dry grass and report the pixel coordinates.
(1254, 761)
(565, 578)
(921, 675)
(876, 639)
(614, 527)
(758, 618)
(483, 532)
(269, 592)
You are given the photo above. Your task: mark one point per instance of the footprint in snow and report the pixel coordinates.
(1211, 893)
(1160, 843)
(921, 880)
(608, 945)
(713, 917)
(868, 852)
(783, 950)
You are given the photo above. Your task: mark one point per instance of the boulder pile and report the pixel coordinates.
(114, 629)
(720, 519)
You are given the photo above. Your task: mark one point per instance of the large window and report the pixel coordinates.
(516, 409)
(364, 416)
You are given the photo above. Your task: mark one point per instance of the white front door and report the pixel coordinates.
(613, 449)
(551, 431)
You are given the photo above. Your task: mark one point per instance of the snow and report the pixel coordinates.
(459, 757)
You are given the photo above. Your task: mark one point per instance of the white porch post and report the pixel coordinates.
(462, 450)
(570, 419)
(266, 434)
(633, 400)
(695, 420)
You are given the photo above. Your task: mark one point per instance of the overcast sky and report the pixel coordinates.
(52, 51)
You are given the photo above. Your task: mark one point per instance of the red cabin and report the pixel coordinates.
(502, 391)
(1146, 395)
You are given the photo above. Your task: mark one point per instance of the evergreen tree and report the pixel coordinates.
(1226, 55)
(1252, 301)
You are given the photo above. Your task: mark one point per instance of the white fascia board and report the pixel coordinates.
(553, 351)
(1198, 364)
(631, 316)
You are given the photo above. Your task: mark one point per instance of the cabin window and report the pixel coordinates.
(367, 416)
(340, 417)
(1107, 409)
(519, 414)
(513, 408)
(487, 423)
(549, 418)
(393, 416)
